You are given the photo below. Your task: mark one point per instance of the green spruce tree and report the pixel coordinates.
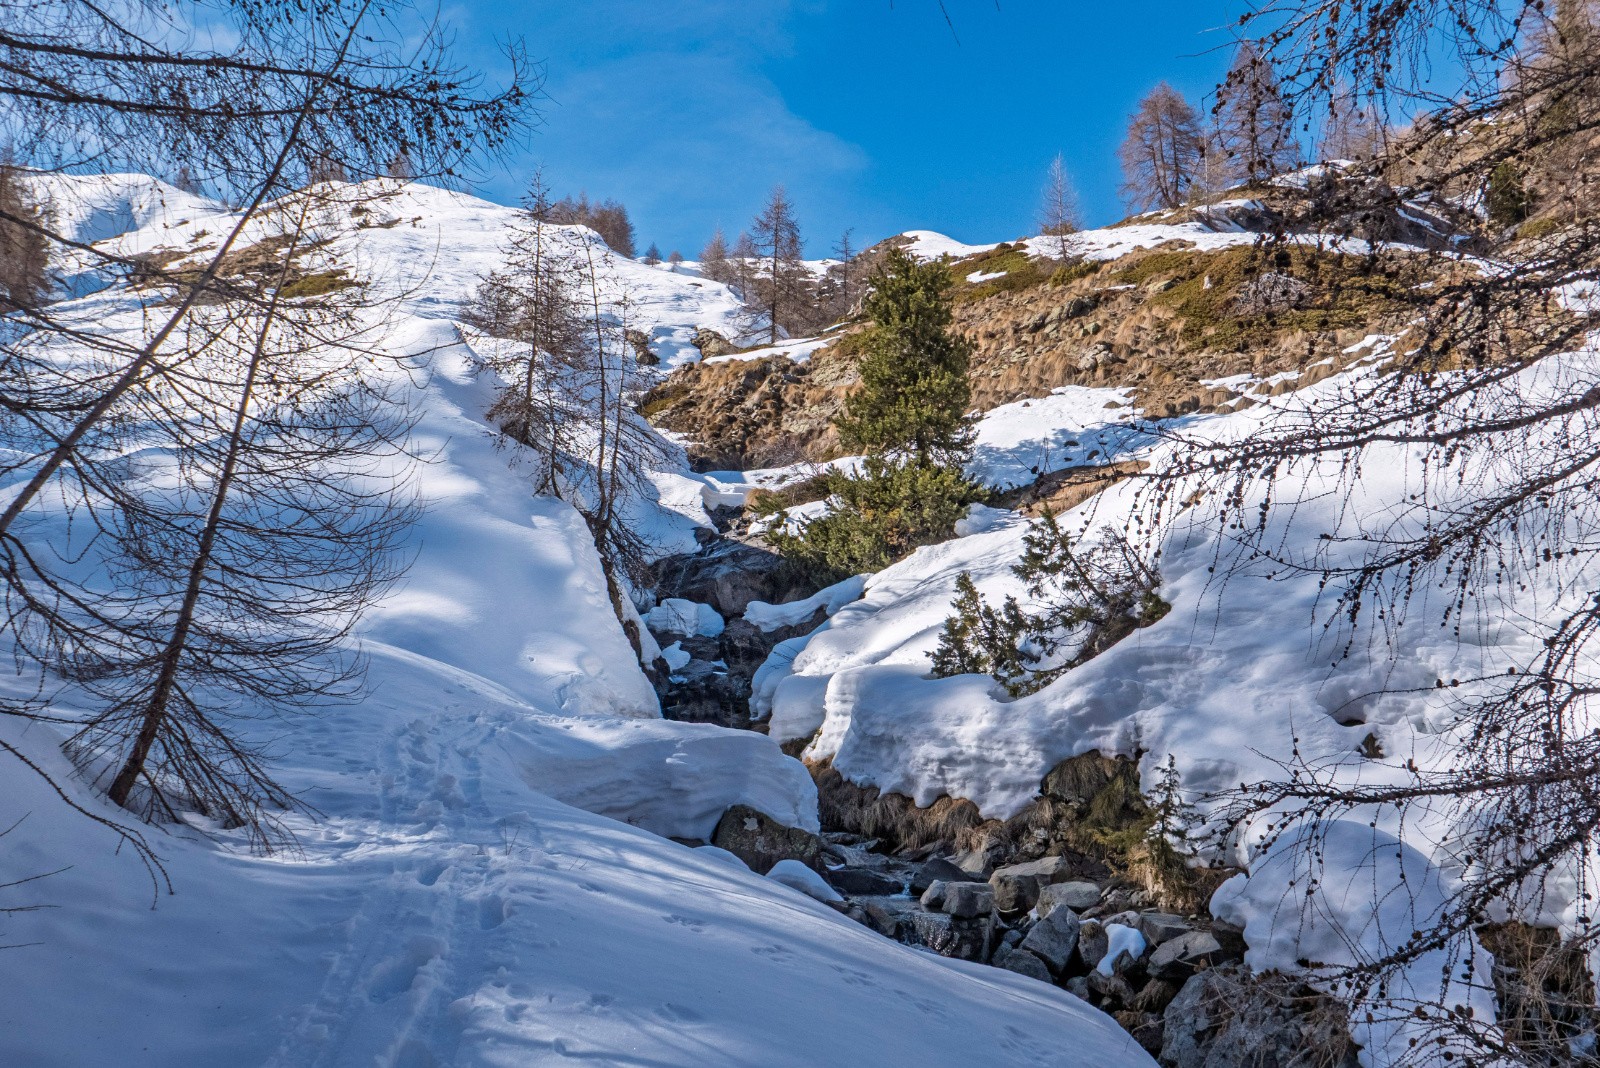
(910, 417)
(914, 395)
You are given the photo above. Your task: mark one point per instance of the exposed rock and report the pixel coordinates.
(1230, 939)
(1054, 939)
(640, 341)
(1017, 886)
(761, 841)
(1078, 986)
(858, 882)
(933, 897)
(1076, 896)
(1181, 957)
(1092, 942)
(968, 900)
(1022, 962)
(1156, 995)
(946, 935)
(710, 343)
(938, 870)
(727, 576)
(1225, 1017)
(1111, 991)
(1159, 927)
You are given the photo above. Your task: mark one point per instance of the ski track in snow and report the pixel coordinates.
(446, 906)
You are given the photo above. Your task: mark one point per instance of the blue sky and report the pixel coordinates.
(871, 112)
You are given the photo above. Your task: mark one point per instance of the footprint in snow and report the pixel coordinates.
(685, 921)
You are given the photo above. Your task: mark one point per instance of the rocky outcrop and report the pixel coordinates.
(712, 344)
(760, 841)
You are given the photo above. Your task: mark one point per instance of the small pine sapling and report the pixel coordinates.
(1092, 597)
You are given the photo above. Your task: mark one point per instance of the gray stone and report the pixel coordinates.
(710, 343)
(1076, 896)
(1159, 927)
(1017, 886)
(1053, 939)
(1113, 991)
(761, 841)
(1180, 957)
(933, 896)
(858, 882)
(936, 870)
(1092, 942)
(968, 900)
(1078, 987)
(1022, 962)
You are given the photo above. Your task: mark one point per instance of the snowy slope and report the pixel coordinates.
(1237, 678)
(449, 905)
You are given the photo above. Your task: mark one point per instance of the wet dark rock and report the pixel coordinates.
(939, 870)
(859, 882)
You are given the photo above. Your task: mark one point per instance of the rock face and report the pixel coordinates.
(1017, 886)
(761, 841)
(1222, 1018)
(1054, 940)
(727, 576)
(710, 343)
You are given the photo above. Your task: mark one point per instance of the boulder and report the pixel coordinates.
(933, 897)
(761, 841)
(1159, 927)
(858, 882)
(948, 936)
(710, 343)
(1017, 886)
(728, 575)
(1022, 962)
(1181, 957)
(1092, 942)
(968, 900)
(1054, 939)
(1075, 895)
(1112, 991)
(1078, 987)
(939, 870)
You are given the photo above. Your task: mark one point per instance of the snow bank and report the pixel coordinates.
(691, 619)
(448, 904)
(770, 617)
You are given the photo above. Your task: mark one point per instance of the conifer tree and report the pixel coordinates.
(910, 416)
(652, 255)
(1255, 126)
(1163, 152)
(714, 259)
(780, 279)
(914, 394)
(1058, 212)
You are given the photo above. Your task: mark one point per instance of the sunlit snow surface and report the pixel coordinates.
(449, 905)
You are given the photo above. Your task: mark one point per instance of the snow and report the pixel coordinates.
(797, 351)
(796, 876)
(770, 617)
(485, 875)
(928, 245)
(1120, 939)
(1236, 678)
(675, 615)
